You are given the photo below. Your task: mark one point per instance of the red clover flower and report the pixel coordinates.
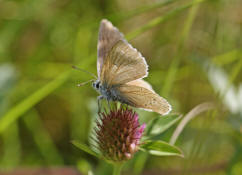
(118, 133)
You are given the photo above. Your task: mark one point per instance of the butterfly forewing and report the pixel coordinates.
(123, 64)
(108, 36)
(141, 97)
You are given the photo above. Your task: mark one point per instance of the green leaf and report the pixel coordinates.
(85, 148)
(160, 148)
(160, 124)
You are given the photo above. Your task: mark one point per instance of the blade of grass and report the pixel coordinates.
(11, 156)
(42, 139)
(121, 16)
(227, 58)
(161, 19)
(171, 75)
(192, 114)
(18, 110)
(139, 10)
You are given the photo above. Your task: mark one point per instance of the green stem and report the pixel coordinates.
(117, 169)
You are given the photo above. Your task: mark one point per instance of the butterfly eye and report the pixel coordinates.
(97, 85)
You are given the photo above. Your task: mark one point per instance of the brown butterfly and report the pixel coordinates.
(120, 69)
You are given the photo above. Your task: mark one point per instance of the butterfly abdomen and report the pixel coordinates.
(117, 96)
(112, 94)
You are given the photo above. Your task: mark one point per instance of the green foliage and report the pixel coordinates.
(30, 101)
(42, 139)
(160, 124)
(85, 148)
(160, 148)
(193, 48)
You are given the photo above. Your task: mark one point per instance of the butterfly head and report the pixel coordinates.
(96, 84)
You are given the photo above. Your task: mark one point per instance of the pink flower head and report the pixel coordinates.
(118, 133)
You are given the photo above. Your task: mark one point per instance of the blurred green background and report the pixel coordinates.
(194, 52)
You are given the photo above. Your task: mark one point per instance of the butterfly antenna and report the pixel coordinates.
(77, 68)
(81, 84)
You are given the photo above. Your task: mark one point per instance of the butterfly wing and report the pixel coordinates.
(123, 64)
(108, 36)
(141, 83)
(141, 97)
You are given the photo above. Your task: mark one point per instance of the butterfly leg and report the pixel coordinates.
(99, 98)
(109, 104)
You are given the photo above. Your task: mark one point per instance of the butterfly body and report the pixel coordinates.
(121, 69)
(109, 93)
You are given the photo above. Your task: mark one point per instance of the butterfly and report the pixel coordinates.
(121, 69)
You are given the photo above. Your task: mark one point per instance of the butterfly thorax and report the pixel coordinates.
(108, 92)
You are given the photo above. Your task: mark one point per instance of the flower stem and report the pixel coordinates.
(117, 169)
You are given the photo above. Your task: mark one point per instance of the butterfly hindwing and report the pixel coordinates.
(141, 83)
(141, 97)
(123, 64)
(108, 36)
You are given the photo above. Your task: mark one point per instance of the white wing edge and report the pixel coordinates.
(141, 56)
